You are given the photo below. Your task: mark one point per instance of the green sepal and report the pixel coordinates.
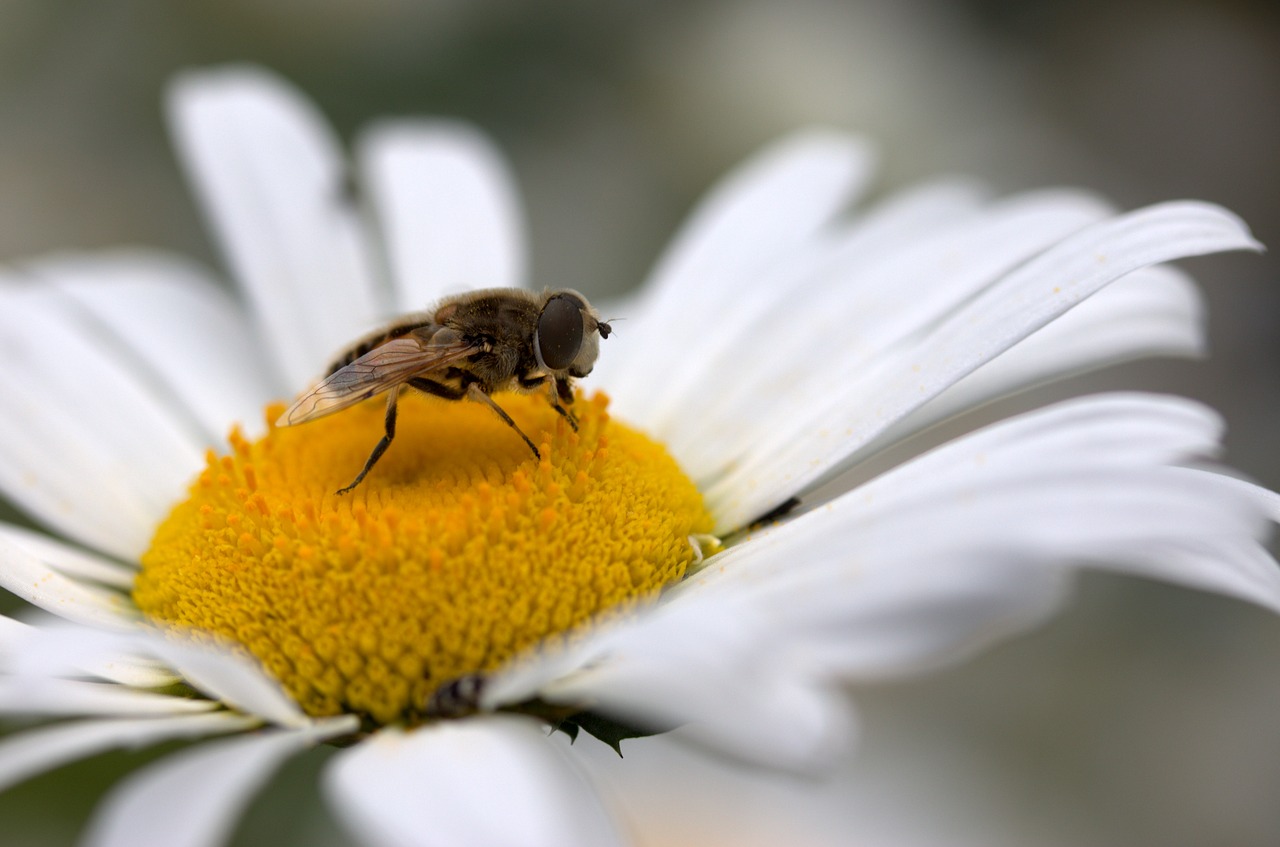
(609, 731)
(571, 721)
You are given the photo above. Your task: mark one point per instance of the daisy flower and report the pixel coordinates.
(672, 563)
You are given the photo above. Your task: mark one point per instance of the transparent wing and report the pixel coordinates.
(385, 366)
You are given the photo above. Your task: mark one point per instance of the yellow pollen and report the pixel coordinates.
(459, 550)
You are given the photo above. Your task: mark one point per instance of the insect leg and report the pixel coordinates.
(382, 445)
(474, 392)
(558, 393)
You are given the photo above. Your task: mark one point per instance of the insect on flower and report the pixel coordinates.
(467, 347)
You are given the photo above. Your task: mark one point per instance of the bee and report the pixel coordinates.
(466, 347)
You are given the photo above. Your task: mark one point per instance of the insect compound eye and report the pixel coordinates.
(559, 335)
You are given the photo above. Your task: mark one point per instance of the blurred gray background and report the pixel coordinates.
(1143, 715)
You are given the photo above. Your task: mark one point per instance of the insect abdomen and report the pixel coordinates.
(377, 339)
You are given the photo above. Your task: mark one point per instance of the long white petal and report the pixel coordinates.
(722, 678)
(921, 566)
(857, 303)
(766, 210)
(731, 681)
(447, 208)
(831, 331)
(34, 581)
(34, 751)
(894, 592)
(1103, 434)
(56, 648)
(11, 634)
(86, 445)
(61, 697)
(747, 673)
(171, 320)
(1078, 483)
(1155, 311)
(231, 678)
(194, 798)
(781, 197)
(491, 780)
(800, 450)
(223, 674)
(1126, 428)
(271, 178)
(900, 627)
(1267, 500)
(67, 560)
(713, 350)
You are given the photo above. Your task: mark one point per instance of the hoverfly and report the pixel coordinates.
(466, 347)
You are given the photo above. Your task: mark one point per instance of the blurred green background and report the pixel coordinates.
(1143, 715)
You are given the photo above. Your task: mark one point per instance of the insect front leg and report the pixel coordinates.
(561, 396)
(381, 447)
(474, 392)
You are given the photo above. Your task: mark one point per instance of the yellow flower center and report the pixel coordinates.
(458, 551)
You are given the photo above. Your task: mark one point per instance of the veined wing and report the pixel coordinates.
(384, 367)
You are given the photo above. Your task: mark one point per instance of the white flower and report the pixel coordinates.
(781, 340)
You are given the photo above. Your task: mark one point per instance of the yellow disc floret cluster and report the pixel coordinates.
(458, 551)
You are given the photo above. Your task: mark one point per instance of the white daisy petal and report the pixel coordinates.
(76, 423)
(801, 450)
(34, 751)
(447, 207)
(743, 316)
(894, 224)
(721, 678)
(1103, 434)
(171, 320)
(61, 697)
(919, 567)
(732, 682)
(1114, 429)
(223, 674)
(1155, 311)
(59, 649)
(130, 670)
(11, 633)
(890, 620)
(777, 200)
(271, 178)
(741, 672)
(1267, 500)
(67, 560)
(868, 589)
(491, 780)
(524, 678)
(230, 678)
(1238, 569)
(194, 798)
(1234, 565)
(14, 635)
(913, 624)
(1068, 484)
(768, 209)
(34, 581)
(854, 307)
